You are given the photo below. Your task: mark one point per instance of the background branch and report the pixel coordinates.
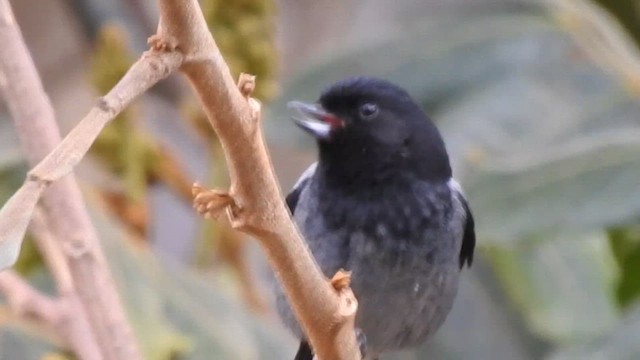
(32, 113)
(73, 324)
(25, 301)
(51, 252)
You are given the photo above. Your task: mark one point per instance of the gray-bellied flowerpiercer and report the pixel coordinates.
(381, 202)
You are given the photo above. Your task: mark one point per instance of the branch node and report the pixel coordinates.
(237, 221)
(103, 104)
(210, 203)
(43, 182)
(255, 107)
(348, 302)
(162, 43)
(76, 247)
(246, 84)
(341, 280)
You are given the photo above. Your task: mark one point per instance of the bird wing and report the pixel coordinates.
(304, 351)
(469, 237)
(301, 184)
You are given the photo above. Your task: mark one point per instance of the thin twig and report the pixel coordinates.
(26, 302)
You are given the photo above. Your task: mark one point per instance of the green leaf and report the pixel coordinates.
(16, 344)
(625, 244)
(556, 282)
(620, 344)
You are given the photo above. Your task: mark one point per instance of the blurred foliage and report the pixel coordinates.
(16, 344)
(620, 344)
(553, 306)
(245, 32)
(627, 12)
(126, 150)
(625, 244)
(538, 103)
(120, 146)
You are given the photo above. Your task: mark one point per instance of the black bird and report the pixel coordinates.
(381, 202)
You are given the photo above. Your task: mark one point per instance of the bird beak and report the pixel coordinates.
(315, 120)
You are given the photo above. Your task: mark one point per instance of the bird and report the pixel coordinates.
(381, 203)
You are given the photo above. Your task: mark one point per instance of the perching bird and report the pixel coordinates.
(381, 202)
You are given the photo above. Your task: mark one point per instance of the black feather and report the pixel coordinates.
(469, 238)
(304, 351)
(294, 195)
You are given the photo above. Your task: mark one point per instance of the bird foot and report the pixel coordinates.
(210, 203)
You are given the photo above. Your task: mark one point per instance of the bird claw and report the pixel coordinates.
(209, 203)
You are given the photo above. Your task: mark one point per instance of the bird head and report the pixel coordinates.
(370, 125)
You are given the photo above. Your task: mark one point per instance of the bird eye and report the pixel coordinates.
(368, 111)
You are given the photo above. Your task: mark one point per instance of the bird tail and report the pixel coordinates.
(304, 351)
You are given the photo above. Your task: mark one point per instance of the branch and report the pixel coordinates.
(39, 135)
(327, 314)
(63, 317)
(26, 302)
(74, 324)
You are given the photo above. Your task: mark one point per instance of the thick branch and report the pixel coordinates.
(326, 314)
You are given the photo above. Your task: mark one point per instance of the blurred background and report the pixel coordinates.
(539, 105)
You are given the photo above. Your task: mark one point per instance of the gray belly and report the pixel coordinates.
(404, 294)
(405, 286)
